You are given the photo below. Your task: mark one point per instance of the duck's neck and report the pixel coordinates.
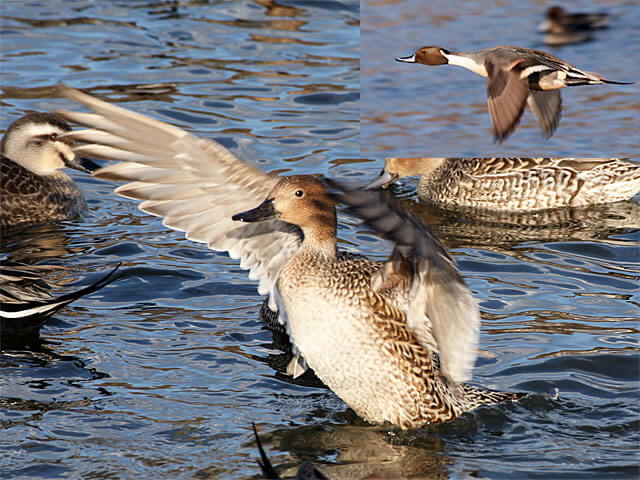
(320, 239)
(470, 61)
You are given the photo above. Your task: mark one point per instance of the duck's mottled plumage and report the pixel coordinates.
(518, 184)
(395, 339)
(33, 189)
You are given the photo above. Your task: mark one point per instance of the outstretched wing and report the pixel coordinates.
(441, 307)
(196, 185)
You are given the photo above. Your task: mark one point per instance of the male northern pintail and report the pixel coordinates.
(307, 470)
(25, 299)
(33, 188)
(563, 28)
(515, 76)
(558, 16)
(516, 184)
(368, 329)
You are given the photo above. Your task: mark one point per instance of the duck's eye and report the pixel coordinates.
(299, 193)
(53, 137)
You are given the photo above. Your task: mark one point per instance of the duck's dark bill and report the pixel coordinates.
(264, 211)
(83, 164)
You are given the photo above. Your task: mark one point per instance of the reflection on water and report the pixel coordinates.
(162, 373)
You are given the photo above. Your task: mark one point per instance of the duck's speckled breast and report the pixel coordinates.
(352, 339)
(29, 198)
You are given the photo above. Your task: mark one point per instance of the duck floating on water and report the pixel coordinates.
(395, 340)
(563, 28)
(516, 77)
(26, 301)
(516, 184)
(557, 15)
(33, 188)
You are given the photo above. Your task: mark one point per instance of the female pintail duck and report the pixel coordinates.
(368, 329)
(33, 188)
(559, 17)
(26, 301)
(516, 184)
(515, 76)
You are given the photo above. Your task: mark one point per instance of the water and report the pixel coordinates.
(160, 374)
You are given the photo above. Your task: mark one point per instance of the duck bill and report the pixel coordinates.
(83, 164)
(410, 59)
(264, 211)
(383, 181)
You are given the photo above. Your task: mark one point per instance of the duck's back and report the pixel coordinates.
(29, 198)
(525, 184)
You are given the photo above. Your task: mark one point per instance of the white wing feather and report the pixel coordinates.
(196, 185)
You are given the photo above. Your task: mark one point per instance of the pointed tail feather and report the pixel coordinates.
(31, 315)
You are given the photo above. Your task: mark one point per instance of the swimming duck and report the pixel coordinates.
(26, 303)
(369, 329)
(516, 184)
(559, 17)
(515, 76)
(563, 28)
(33, 188)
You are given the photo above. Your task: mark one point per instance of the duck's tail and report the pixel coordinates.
(25, 315)
(480, 396)
(578, 77)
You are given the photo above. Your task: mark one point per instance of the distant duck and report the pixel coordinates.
(516, 77)
(25, 299)
(564, 28)
(394, 339)
(558, 16)
(33, 188)
(516, 184)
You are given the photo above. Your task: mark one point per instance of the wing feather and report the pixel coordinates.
(442, 313)
(195, 184)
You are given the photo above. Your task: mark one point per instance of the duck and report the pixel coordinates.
(33, 188)
(563, 28)
(516, 184)
(516, 77)
(395, 340)
(557, 16)
(307, 470)
(26, 300)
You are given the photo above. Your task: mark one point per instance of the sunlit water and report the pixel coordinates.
(160, 374)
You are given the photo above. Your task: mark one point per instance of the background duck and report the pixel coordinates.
(558, 16)
(368, 329)
(516, 184)
(33, 188)
(516, 77)
(563, 28)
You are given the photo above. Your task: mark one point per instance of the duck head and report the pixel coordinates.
(36, 141)
(427, 56)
